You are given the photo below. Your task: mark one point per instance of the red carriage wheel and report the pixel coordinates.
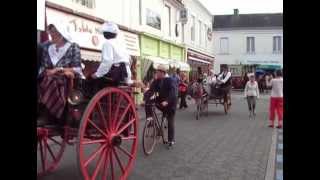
(108, 136)
(50, 148)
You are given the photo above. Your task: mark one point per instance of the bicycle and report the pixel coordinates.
(153, 130)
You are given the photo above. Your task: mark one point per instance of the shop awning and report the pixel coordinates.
(269, 67)
(179, 64)
(184, 66)
(90, 55)
(199, 60)
(156, 61)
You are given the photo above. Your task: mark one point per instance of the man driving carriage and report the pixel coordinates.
(224, 83)
(115, 64)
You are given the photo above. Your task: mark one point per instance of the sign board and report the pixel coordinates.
(263, 62)
(184, 16)
(41, 15)
(88, 33)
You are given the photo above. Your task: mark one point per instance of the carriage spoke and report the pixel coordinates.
(110, 121)
(102, 118)
(122, 116)
(125, 151)
(95, 126)
(129, 138)
(50, 151)
(98, 166)
(105, 165)
(42, 158)
(55, 141)
(118, 159)
(126, 126)
(93, 155)
(93, 141)
(117, 108)
(111, 165)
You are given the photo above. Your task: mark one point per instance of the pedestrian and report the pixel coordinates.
(245, 79)
(276, 99)
(183, 85)
(251, 93)
(166, 100)
(260, 83)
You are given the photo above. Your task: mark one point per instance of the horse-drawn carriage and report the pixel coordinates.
(103, 128)
(205, 94)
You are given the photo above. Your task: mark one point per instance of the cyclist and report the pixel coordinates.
(163, 88)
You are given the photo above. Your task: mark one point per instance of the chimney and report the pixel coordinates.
(235, 12)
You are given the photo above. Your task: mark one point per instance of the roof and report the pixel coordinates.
(247, 20)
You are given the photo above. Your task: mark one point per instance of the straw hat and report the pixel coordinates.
(161, 67)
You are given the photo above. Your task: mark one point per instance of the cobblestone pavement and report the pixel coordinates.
(216, 147)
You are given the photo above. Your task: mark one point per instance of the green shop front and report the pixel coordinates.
(155, 51)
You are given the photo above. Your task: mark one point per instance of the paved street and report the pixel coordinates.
(217, 147)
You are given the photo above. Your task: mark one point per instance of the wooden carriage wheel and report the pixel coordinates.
(108, 136)
(50, 148)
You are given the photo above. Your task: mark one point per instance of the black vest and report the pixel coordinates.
(228, 83)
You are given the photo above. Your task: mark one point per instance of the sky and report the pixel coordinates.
(218, 7)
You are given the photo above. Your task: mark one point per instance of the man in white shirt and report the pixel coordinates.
(115, 63)
(224, 80)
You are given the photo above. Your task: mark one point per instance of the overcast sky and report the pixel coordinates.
(244, 6)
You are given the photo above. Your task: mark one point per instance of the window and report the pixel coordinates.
(277, 45)
(200, 33)
(250, 45)
(224, 45)
(205, 36)
(86, 3)
(167, 27)
(153, 19)
(193, 21)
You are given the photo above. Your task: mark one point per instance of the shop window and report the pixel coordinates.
(277, 45)
(250, 45)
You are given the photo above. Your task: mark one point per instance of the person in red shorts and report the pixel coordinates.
(276, 99)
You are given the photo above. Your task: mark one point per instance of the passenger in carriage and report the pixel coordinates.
(60, 61)
(115, 63)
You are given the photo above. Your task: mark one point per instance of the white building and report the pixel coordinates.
(198, 36)
(248, 42)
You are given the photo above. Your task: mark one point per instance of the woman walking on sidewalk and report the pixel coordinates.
(276, 99)
(251, 92)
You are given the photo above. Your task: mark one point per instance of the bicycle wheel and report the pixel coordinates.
(149, 136)
(164, 130)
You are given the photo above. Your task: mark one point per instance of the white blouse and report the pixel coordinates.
(251, 89)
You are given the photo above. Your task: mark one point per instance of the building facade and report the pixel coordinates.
(198, 37)
(153, 31)
(248, 42)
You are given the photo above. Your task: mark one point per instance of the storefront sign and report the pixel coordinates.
(88, 33)
(41, 15)
(262, 62)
